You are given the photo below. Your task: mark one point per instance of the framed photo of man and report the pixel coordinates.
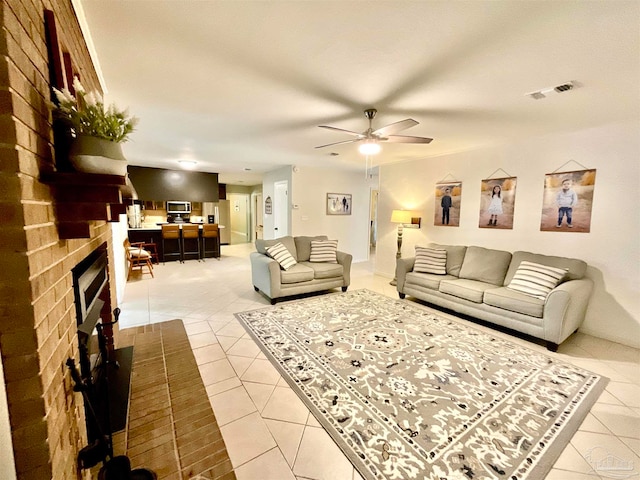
(447, 204)
(567, 201)
(497, 201)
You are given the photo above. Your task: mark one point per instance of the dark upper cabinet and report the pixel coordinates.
(163, 184)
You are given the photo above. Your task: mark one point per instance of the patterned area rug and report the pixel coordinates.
(409, 394)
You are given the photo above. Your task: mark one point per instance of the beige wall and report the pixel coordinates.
(37, 314)
(309, 216)
(611, 249)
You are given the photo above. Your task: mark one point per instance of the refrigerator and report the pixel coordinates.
(222, 214)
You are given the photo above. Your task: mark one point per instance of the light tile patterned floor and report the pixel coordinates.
(269, 433)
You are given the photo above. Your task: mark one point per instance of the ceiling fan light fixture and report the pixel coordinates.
(369, 148)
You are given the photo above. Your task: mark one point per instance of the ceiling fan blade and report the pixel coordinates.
(341, 130)
(338, 143)
(406, 139)
(395, 127)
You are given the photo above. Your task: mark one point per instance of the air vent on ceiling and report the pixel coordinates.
(565, 87)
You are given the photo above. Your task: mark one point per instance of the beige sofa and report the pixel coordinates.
(476, 282)
(304, 277)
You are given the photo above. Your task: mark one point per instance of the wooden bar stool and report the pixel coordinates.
(190, 234)
(210, 232)
(171, 235)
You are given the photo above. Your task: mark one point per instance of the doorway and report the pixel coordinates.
(239, 218)
(281, 209)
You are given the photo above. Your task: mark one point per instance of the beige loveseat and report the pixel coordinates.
(476, 281)
(303, 277)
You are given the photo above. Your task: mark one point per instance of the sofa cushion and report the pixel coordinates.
(471, 290)
(576, 269)
(536, 280)
(296, 274)
(323, 251)
(485, 265)
(303, 246)
(262, 245)
(427, 280)
(430, 260)
(325, 270)
(281, 255)
(455, 256)
(502, 297)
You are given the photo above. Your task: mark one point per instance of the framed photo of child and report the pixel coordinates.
(567, 201)
(447, 204)
(497, 201)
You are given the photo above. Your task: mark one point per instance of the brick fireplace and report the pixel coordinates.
(37, 310)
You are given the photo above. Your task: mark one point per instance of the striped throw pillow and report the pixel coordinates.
(281, 255)
(324, 251)
(536, 280)
(430, 260)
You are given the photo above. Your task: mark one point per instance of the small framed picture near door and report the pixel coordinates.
(567, 201)
(338, 204)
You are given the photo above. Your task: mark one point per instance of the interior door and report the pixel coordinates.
(281, 209)
(257, 215)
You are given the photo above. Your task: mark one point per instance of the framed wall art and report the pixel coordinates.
(567, 201)
(497, 201)
(447, 204)
(338, 204)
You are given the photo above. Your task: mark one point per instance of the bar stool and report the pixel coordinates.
(190, 233)
(210, 231)
(171, 233)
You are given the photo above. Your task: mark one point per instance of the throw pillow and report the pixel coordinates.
(281, 255)
(536, 280)
(138, 252)
(430, 260)
(324, 251)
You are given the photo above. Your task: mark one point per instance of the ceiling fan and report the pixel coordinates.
(370, 138)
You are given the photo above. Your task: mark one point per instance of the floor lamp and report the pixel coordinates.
(400, 217)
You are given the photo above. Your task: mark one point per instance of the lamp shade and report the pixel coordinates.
(401, 216)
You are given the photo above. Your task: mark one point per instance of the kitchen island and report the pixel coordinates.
(153, 234)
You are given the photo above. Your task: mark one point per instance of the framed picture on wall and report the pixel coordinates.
(497, 200)
(338, 204)
(567, 201)
(447, 204)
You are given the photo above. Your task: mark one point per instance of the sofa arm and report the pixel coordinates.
(565, 308)
(403, 266)
(265, 274)
(345, 260)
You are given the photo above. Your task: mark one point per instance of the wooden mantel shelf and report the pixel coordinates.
(82, 197)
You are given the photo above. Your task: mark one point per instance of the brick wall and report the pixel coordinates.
(37, 313)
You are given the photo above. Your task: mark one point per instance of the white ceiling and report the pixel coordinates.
(244, 84)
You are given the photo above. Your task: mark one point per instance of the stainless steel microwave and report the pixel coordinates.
(178, 207)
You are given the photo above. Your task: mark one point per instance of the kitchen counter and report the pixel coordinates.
(158, 226)
(153, 234)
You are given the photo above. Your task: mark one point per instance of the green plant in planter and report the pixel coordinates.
(97, 131)
(86, 114)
